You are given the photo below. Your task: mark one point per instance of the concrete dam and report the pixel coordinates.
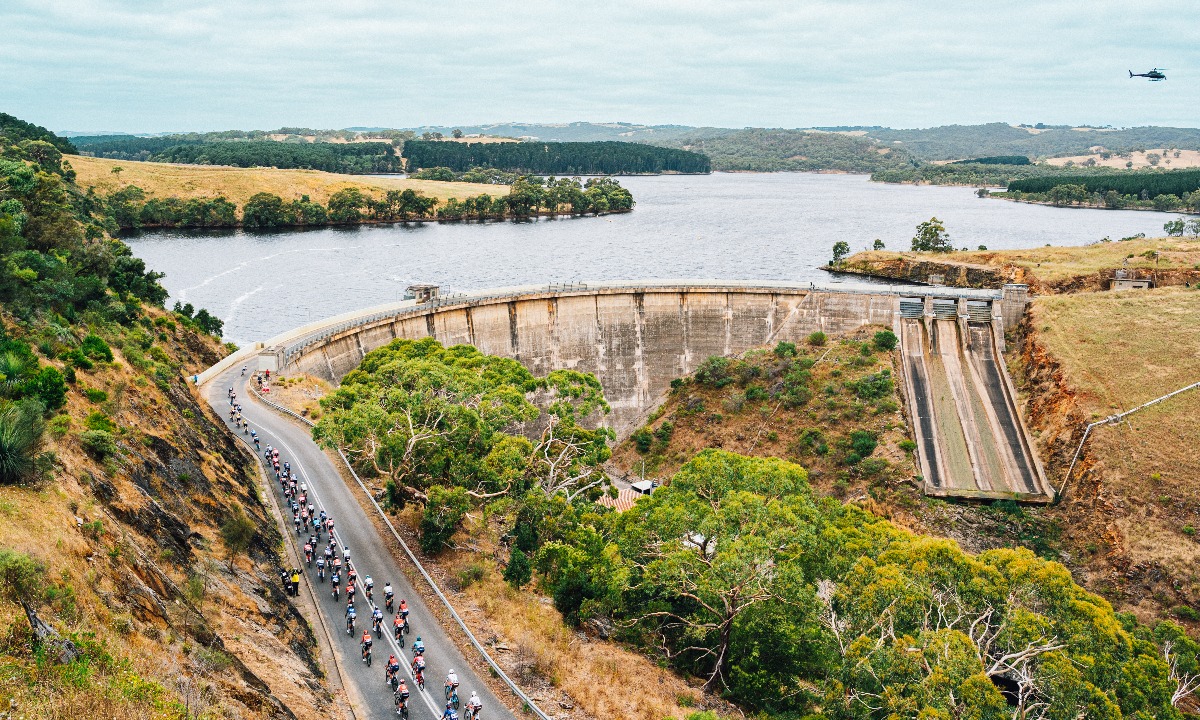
(637, 337)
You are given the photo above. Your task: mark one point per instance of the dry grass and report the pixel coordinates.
(238, 184)
(1185, 159)
(602, 678)
(300, 394)
(1122, 348)
(1058, 263)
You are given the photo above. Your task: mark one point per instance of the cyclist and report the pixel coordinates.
(335, 580)
(393, 667)
(388, 595)
(350, 586)
(398, 627)
(474, 706)
(418, 666)
(368, 586)
(321, 569)
(377, 621)
(351, 616)
(451, 684)
(404, 610)
(418, 646)
(308, 553)
(450, 714)
(401, 696)
(367, 642)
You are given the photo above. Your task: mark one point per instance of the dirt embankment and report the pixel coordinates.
(973, 275)
(938, 272)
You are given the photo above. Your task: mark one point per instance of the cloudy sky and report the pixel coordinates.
(160, 65)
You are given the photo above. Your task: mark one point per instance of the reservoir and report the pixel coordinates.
(739, 226)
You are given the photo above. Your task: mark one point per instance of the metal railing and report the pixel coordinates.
(512, 685)
(293, 349)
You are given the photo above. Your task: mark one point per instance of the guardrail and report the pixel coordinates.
(293, 349)
(512, 685)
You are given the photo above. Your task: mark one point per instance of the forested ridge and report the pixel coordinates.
(736, 572)
(773, 150)
(567, 158)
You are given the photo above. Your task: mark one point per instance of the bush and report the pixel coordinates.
(20, 440)
(643, 439)
(755, 393)
(98, 443)
(94, 348)
(885, 340)
(874, 386)
(470, 575)
(444, 512)
(95, 395)
(100, 421)
(664, 432)
(817, 339)
(519, 572)
(785, 349)
(862, 444)
(907, 445)
(714, 372)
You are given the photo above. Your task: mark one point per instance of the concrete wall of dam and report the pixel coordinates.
(636, 338)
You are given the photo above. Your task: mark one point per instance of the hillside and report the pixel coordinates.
(138, 561)
(1134, 502)
(239, 184)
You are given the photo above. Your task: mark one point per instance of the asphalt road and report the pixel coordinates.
(370, 696)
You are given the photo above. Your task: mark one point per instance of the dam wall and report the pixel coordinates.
(636, 337)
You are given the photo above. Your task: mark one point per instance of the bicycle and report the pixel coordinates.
(452, 695)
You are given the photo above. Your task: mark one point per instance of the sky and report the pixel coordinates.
(165, 65)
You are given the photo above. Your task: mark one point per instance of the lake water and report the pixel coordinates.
(726, 225)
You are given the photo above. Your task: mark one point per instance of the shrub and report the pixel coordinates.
(444, 512)
(755, 393)
(519, 571)
(643, 439)
(95, 395)
(817, 339)
(99, 421)
(785, 349)
(98, 443)
(874, 386)
(907, 445)
(94, 347)
(862, 444)
(885, 340)
(811, 440)
(470, 575)
(714, 372)
(20, 440)
(664, 432)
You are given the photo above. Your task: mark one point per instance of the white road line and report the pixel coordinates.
(417, 691)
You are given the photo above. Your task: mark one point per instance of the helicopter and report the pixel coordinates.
(1154, 75)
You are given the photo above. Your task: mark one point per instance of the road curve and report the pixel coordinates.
(370, 696)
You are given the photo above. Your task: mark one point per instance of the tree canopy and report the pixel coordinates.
(569, 158)
(424, 416)
(787, 602)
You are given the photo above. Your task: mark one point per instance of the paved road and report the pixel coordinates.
(371, 697)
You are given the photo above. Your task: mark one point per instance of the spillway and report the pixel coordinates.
(970, 437)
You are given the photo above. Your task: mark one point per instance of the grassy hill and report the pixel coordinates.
(239, 184)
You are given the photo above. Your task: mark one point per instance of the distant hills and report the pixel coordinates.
(846, 148)
(853, 148)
